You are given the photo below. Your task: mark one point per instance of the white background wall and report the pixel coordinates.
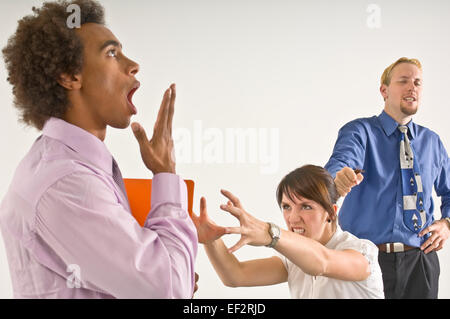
(302, 67)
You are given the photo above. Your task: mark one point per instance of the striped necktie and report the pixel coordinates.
(414, 215)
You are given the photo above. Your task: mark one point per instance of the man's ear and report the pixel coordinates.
(70, 81)
(383, 91)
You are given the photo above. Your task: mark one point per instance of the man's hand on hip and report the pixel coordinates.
(440, 232)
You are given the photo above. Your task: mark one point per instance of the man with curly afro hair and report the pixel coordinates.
(65, 219)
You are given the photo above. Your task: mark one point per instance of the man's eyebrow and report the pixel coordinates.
(110, 42)
(408, 77)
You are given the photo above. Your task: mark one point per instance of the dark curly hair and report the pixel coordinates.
(43, 48)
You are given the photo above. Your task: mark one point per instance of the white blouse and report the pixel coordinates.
(304, 286)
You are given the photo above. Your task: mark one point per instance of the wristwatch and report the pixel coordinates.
(275, 233)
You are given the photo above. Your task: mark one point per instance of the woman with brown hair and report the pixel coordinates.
(315, 257)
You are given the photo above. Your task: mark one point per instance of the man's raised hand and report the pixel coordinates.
(158, 152)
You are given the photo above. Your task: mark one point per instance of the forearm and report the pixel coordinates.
(227, 266)
(309, 255)
(176, 243)
(176, 232)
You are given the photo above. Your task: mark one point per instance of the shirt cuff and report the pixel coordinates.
(169, 188)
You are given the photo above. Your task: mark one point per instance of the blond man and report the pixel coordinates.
(386, 167)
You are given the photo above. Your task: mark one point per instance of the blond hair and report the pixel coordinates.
(387, 74)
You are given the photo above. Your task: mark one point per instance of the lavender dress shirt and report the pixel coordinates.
(69, 233)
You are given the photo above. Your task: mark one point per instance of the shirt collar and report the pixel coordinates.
(333, 240)
(389, 125)
(81, 141)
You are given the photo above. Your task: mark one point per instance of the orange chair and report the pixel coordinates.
(139, 193)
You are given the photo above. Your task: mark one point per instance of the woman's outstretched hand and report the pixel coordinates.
(253, 231)
(207, 230)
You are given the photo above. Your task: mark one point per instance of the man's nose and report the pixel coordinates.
(133, 68)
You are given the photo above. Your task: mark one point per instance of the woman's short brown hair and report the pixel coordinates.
(42, 49)
(311, 182)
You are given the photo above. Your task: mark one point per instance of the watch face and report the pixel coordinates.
(275, 230)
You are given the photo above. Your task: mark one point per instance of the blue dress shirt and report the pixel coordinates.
(374, 209)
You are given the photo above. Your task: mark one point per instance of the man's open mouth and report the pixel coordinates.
(130, 97)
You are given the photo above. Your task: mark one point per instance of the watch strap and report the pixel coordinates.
(274, 232)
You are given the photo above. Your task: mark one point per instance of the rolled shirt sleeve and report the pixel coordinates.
(87, 227)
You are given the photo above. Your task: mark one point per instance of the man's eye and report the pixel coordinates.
(112, 53)
(306, 207)
(285, 207)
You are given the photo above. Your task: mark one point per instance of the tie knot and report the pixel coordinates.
(403, 128)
